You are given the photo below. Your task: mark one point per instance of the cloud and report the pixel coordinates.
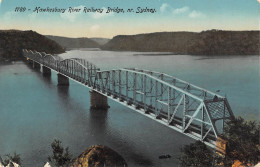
(98, 15)
(9, 15)
(32, 15)
(72, 16)
(35, 16)
(94, 28)
(181, 10)
(196, 14)
(164, 7)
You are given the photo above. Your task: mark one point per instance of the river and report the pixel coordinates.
(34, 111)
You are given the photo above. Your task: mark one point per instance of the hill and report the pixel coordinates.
(13, 41)
(101, 41)
(68, 43)
(213, 42)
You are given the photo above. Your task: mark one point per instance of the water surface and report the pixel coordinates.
(35, 111)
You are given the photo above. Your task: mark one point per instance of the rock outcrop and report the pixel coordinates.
(13, 41)
(99, 156)
(213, 42)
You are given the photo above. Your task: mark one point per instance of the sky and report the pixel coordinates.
(169, 15)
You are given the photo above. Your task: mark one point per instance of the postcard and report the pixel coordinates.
(142, 83)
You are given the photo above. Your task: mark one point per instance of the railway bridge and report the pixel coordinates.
(179, 105)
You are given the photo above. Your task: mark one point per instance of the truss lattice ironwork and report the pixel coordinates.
(184, 107)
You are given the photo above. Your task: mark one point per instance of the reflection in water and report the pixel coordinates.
(101, 131)
(46, 78)
(66, 102)
(46, 75)
(141, 160)
(63, 91)
(98, 121)
(29, 64)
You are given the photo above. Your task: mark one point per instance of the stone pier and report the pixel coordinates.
(46, 70)
(62, 80)
(98, 101)
(36, 65)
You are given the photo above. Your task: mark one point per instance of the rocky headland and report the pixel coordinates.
(13, 41)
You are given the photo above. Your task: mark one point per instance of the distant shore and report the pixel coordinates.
(213, 42)
(208, 43)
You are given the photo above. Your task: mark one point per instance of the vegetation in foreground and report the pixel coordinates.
(10, 158)
(60, 157)
(243, 145)
(94, 156)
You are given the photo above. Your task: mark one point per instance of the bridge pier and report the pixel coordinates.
(46, 70)
(98, 101)
(62, 80)
(36, 65)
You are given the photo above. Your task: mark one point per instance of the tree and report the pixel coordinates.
(60, 157)
(196, 155)
(242, 141)
(242, 144)
(11, 158)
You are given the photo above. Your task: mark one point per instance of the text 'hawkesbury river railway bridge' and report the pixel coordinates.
(183, 107)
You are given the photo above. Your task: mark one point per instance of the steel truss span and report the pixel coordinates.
(184, 107)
